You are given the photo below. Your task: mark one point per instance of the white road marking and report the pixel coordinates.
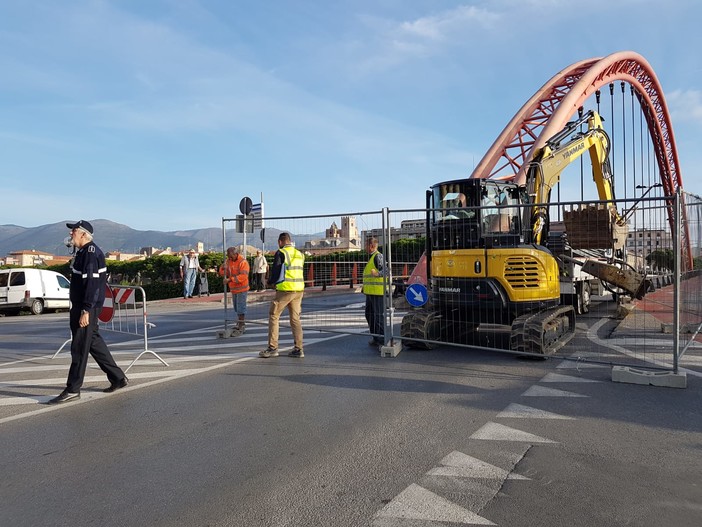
(592, 336)
(542, 391)
(417, 503)
(497, 432)
(89, 396)
(458, 464)
(520, 411)
(557, 377)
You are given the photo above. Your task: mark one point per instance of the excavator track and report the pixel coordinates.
(543, 332)
(422, 324)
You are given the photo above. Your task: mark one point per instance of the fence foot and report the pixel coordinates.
(62, 346)
(630, 375)
(139, 356)
(229, 332)
(392, 349)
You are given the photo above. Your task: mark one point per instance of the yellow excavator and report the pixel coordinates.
(487, 254)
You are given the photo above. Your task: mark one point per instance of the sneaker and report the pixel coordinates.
(268, 352)
(65, 397)
(297, 353)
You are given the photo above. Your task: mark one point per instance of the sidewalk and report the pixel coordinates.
(648, 315)
(256, 296)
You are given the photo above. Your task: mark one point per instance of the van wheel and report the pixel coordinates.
(37, 307)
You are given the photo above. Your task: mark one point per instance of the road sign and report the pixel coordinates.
(122, 296)
(417, 295)
(244, 224)
(257, 213)
(245, 205)
(108, 307)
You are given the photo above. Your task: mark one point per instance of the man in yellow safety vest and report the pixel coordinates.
(373, 288)
(288, 276)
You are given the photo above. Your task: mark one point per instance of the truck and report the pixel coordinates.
(35, 290)
(491, 260)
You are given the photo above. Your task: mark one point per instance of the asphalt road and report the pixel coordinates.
(343, 437)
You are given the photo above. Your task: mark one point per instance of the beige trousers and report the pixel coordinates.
(293, 301)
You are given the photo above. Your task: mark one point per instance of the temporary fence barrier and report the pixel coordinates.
(335, 257)
(688, 304)
(334, 246)
(122, 313)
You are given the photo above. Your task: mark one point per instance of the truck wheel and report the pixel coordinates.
(37, 307)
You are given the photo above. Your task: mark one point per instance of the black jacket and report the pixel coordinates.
(88, 278)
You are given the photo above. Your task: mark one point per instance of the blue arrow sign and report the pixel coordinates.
(416, 295)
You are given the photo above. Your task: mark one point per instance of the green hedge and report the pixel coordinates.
(163, 290)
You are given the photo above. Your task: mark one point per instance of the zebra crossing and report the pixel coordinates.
(32, 376)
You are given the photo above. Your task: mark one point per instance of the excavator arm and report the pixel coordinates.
(545, 172)
(549, 162)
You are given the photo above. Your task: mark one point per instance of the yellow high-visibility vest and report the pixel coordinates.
(294, 266)
(372, 285)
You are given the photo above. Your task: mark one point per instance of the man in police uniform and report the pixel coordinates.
(87, 293)
(374, 288)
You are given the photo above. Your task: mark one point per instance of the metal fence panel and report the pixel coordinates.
(335, 255)
(632, 324)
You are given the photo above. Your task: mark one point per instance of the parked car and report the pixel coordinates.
(32, 289)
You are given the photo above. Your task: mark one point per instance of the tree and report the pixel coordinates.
(662, 259)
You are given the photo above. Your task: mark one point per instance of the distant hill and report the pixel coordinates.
(111, 236)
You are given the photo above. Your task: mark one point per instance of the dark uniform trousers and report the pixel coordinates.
(374, 315)
(88, 341)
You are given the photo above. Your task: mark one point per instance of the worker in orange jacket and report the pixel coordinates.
(235, 271)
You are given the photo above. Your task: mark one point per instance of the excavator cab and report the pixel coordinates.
(476, 213)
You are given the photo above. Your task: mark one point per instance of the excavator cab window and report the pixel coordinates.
(455, 217)
(499, 210)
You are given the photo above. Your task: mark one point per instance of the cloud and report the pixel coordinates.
(685, 106)
(395, 42)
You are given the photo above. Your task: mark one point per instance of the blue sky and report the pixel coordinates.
(163, 114)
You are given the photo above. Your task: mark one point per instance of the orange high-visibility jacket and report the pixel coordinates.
(236, 273)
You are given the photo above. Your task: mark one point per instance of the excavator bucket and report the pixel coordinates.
(627, 279)
(592, 227)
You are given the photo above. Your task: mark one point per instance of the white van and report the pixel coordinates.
(33, 289)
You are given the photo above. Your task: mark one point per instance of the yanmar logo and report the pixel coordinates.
(572, 151)
(449, 289)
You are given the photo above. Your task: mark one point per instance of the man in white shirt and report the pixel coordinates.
(189, 266)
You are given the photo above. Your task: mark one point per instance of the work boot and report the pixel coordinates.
(241, 325)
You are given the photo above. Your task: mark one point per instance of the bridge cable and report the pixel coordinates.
(613, 134)
(624, 138)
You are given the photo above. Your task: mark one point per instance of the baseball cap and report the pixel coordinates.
(82, 224)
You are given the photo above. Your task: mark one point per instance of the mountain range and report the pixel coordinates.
(111, 236)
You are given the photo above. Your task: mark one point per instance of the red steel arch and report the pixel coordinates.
(552, 106)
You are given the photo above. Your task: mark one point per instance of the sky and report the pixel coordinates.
(164, 114)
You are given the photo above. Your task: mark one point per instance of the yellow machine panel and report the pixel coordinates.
(526, 274)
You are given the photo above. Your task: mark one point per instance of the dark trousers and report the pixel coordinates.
(87, 341)
(374, 316)
(258, 281)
